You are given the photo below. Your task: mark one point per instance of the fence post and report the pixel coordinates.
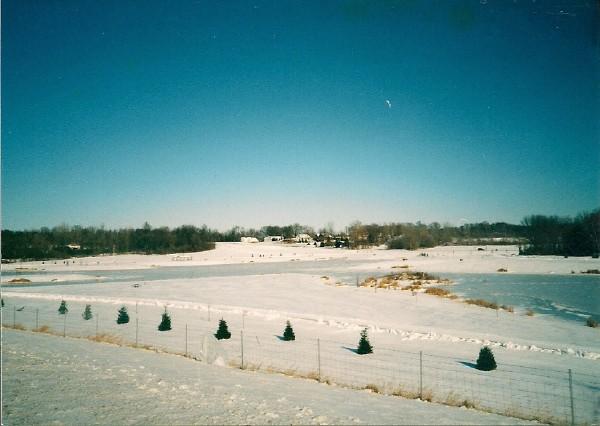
(319, 358)
(65, 325)
(14, 315)
(421, 375)
(242, 346)
(571, 396)
(186, 341)
(37, 315)
(136, 330)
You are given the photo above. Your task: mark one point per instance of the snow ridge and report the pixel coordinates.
(270, 314)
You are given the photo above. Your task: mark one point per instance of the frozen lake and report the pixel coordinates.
(570, 297)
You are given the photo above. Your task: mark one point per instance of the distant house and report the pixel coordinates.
(270, 238)
(249, 240)
(303, 238)
(74, 246)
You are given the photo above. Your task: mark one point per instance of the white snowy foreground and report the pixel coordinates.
(534, 353)
(53, 380)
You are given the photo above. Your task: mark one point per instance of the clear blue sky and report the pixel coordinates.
(250, 113)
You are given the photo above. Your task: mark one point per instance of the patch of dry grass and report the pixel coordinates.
(395, 280)
(412, 287)
(16, 326)
(481, 302)
(436, 291)
(455, 401)
(43, 329)
(19, 280)
(106, 338)
(529, 313)
(404, 393)
(373, 388)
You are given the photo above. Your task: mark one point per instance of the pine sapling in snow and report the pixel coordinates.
(288, 333)
(486, 361)
(222, 332)
(62, 309)
(165, 324)
(87, 313)
(364, 347)
(123, 317)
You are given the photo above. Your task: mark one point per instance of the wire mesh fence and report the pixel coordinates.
(555, 396)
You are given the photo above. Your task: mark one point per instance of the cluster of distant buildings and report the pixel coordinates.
(318, 241)
(300, 238)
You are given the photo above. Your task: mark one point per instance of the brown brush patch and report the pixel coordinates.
(106, 338)
(482, 303)
(436, 291)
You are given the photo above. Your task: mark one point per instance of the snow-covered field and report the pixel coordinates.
(439, 259)
(534, 354)
(51, 380)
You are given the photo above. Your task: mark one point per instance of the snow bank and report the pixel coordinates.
(48, 379)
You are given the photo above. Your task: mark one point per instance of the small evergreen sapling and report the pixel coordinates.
(364, 347)
(87, 313)
(62, 309)
(486, 361)
(3, 302)
(288, 333)
(123, 317)
(222, 332)
(165, 324)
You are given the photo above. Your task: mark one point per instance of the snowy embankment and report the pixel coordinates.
(47, 380)
(534, 353)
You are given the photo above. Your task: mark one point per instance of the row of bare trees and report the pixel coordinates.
(538, 234)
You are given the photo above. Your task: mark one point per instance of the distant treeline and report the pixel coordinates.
(65, 241)
(535, 235)
(412, 236)
(565, 236)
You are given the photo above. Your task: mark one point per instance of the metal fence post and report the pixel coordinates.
(136, 330)
(14, 315)
(37, 315)
(421, 375)
(242, 346)
(319, 358)
(571, 396)
(65, 326)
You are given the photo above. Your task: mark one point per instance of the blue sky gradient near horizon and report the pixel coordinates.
(274, 112)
